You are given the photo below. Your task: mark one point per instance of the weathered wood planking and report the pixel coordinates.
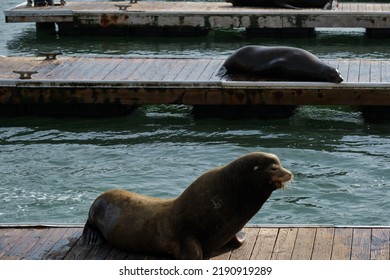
(262, 243)
(192, 81)
(207, 15)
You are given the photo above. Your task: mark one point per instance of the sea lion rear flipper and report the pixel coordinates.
(91, 235)
(190, 249)
(221, 72)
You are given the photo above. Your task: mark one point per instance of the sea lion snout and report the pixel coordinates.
(279, 175)
(334, 75)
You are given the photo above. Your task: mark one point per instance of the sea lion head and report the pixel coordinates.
(268, 167)
(332, 75)
(263, 170)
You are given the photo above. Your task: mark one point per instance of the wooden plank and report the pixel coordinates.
(186, 70)
(375, 71)
(164, 70)
(323, 243)
(364, 71)
(63, 244)
(200, 66)
(8, 238)
(142, 69)
(284, 244)
(342, 244)
(343, 67)
(46, 67)
(176, 69)
(66, 67)
(385, 70)
(45, 243)
(100, 68)
(124, 69)
(157, 68)
(244, 252)
(265, 244)
(99, 252)
(361, 244)
(261, 243)
(380, 244)
(79, 251)
(354, 71)
(24, 244)
(209, 73)
(304, 243)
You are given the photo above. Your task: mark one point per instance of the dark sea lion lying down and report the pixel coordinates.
(288, 4)
(279, 63)
(206, 216)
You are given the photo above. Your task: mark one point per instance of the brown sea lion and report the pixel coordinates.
(287, 4)
(206, 216)
(279, 63)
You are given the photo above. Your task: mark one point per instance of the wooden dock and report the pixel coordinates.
(145, 16)
(141, 81)
(262, 242)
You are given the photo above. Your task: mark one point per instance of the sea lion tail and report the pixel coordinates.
(91, 235)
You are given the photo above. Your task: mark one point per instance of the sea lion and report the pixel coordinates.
(206, 216)
(279, 63)
(287, 4)
(41, 3)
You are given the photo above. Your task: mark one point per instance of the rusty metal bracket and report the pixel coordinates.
(25, 75)
(122, 7)
(50, 55)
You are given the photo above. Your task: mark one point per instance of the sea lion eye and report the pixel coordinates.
(255, 168)
(274, 168)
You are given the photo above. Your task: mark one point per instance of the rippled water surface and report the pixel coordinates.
(52, 169)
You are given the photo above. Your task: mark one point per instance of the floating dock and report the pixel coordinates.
(262, 243)
(121, 81)
(198, 17)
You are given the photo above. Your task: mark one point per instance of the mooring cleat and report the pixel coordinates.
(122, 7)
(25, 75)
(50, 55)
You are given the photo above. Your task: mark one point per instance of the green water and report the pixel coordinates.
(52, 169)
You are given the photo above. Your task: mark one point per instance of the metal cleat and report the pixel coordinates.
(25, 75)
(122, 7)
(50, 55)
(62, 2)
